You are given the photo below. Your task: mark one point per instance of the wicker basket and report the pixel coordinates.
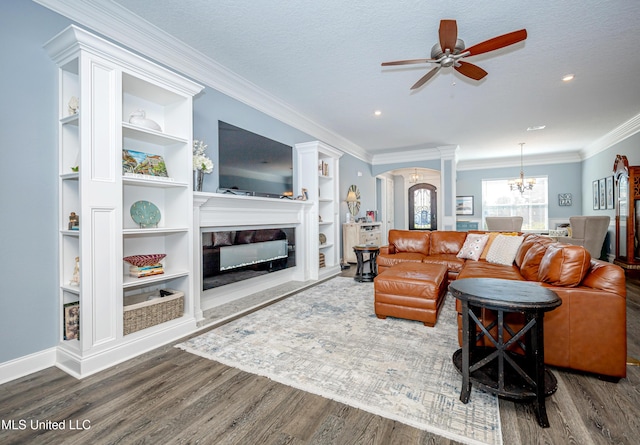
(141, 313)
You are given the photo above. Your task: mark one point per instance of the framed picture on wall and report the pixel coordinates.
(603, 194)
(596, 195)
(464, 205)
(610, 193)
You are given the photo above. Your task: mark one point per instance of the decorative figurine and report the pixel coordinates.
(74, 106)
(139, 117)
(75, 279)
(74, 221)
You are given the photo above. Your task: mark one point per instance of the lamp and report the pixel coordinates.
(414, 177)
(521, 184)
(353, 201)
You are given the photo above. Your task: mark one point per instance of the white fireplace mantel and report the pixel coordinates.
(236, 212)
(228, 210)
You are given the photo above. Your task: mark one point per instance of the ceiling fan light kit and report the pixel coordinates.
(450, 50)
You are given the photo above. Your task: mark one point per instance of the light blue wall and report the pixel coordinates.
(399, 215)
(28, 176)
(563, 178)
(600, 166)
(210, 106)
(350, 168)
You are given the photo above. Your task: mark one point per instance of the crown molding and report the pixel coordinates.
(425, 154)
(121, 25)
(618, 134)
(543, 159)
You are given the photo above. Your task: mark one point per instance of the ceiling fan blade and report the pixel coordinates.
(498, 42)
(448, 33)
(425, 78)
(406, 62)
(470, 70)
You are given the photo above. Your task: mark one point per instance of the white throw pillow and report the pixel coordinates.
(504, 249)
(473, 246)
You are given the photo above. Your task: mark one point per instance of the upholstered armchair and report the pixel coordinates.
(589, 232)
(504, 223)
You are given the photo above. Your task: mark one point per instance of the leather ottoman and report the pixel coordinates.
(413, 291)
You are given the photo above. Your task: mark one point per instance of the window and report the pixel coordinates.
(532, 205)
(423, 214)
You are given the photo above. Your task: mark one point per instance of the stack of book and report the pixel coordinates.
(146, 271)
(323, 168)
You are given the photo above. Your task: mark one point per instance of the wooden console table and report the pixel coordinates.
(525, 377)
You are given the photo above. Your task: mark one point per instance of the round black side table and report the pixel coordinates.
(497, 369)
(360, 251)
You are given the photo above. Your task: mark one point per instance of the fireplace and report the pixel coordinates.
(229, 256)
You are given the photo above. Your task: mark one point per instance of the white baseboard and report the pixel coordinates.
(26, 365)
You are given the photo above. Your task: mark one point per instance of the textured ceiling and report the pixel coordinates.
(323, 59)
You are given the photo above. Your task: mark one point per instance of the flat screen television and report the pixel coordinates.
(252, 164)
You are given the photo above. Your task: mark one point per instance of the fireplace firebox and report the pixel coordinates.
(232, 256)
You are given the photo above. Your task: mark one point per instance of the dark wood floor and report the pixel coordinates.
(169, 396)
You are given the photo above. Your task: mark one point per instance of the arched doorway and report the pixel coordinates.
(423, 212)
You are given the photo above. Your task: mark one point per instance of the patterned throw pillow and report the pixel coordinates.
(503, 249)
(473, 246)
(492, 236)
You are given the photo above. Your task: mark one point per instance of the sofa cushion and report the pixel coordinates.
(390, 260)
(446, 242)
(531, 261)
(473, 246)
(483, 269)
(503, 249)
(529, 241)
(564, 265)
(453, 263)
(409, 241)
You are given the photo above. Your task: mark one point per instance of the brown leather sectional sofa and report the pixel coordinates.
(586, 333)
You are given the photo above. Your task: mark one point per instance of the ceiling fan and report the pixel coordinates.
(450, 51)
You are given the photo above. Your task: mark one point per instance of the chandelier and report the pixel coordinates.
(521, 184)
(414, 177)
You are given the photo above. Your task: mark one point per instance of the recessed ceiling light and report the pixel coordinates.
(536, 128)
(568, 77)
(377, 112)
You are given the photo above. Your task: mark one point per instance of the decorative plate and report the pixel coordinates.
(323, 238)
(145, 260)
(145, 214)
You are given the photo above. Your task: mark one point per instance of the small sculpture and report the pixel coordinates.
(75, 279)
(74, 105)
(74, 221)
(139, 117)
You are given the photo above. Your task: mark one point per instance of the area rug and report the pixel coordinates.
(327, 340)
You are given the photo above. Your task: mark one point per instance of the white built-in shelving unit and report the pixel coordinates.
(322, 189)
(110, 83)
